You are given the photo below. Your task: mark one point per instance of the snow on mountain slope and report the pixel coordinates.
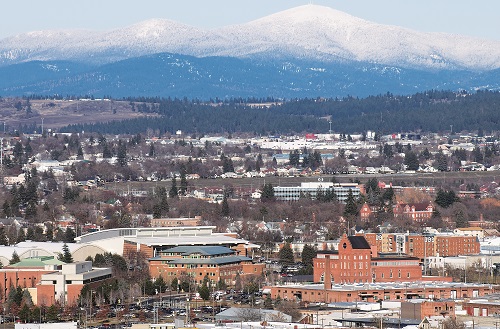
(328, 32)
(308, 32)
(148, 37)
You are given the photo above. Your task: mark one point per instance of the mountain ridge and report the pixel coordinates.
(309, 32)
(174, 75)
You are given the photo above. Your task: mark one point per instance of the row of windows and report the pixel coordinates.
(395, 263)
(382, 275)
(354, 274)
(355, 257)
(347, 265)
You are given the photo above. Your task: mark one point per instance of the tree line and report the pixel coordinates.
(429, 111)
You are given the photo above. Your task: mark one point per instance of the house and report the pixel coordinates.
(470, 231)
(367, 211)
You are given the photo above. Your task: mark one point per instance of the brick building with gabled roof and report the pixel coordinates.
(418, 212)
(357, 261)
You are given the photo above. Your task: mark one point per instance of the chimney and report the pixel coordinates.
(328, 271)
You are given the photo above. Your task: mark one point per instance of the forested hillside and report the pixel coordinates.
(430, 111)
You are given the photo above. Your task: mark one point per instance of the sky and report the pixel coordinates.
(474, 18)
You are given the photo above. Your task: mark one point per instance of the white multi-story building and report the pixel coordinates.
(310, 189)
(74, 275)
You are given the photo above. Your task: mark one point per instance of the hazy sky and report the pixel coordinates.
(475, 18)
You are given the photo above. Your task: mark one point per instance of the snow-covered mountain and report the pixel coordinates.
(309, 32)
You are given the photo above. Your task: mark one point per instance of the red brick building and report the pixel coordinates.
(420, 309)
(367, 211)
(215, 262)
(378, 291)
(417, 212)
(422, 246)
(357, 261)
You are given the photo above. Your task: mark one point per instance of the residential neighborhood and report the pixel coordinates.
(184, 215)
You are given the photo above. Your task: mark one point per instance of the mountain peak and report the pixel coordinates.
(307, 32)
(312, 13)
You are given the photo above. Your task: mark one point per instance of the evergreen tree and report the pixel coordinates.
(267, 193)
(388, 195)
(351, 207)
(388, 153)
(426, 154)
(21, 236)
(221, 285)
(122, 154)
(259, 163)
(237, 282)
(30, 234)
(411, 161)
(461, 217)
(286, 255)
(173, 192)
(26, 298)
(66, 254)
(25, 314)
(159, 284)
(477, 155)
(38, 234)
(294, 158)
(268, 302)
(204, 291)
(49, 233)
(320, 195)
(446, 198)
(69, 236)
(330, 195)
(308, 254)
(184, 182)
(174, 284)
(6, 210)
(15, 258)
(106, 152)
(441, 162)
(79, 153)
(227, 164)
(151, 150)
(53, 313)
(157, 210)
(3, 237)
(225, 207)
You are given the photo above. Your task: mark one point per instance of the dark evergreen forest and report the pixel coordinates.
(430, 111)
